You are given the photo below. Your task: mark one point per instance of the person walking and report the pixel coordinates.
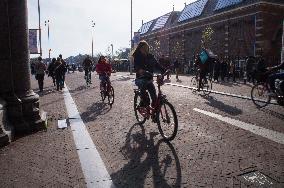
(64, 68)
(250, 61)
(223, 70)
(59, 72)
(50, 69)
(230, 71)
(40, 69)
(177, 68)
(217, 67)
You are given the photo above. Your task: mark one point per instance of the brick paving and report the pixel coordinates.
(205, 153)
(43, 159)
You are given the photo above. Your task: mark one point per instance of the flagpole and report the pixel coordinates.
(131, 45)
(39, 28)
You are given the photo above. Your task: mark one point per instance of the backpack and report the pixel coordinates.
(203, 56)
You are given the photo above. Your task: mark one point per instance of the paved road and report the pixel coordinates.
(219, 139)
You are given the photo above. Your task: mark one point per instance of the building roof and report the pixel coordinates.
(192, 10)
(159, 23)
(197, 10)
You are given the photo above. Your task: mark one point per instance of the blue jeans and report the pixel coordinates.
(104, 79)
(272, 79)
(144, 85)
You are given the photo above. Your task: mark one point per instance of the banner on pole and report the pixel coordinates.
(33, 41)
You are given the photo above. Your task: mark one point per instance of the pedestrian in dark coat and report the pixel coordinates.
(50, 69)
(59, 72)
(217, 67)
(40, 69)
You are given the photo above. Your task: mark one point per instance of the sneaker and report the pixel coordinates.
(154, 118)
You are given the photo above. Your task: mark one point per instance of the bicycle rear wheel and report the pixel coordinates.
(110, 96)
(167, 121)
(207, 86)
(137, 102)
(259, 95)
(194, 81)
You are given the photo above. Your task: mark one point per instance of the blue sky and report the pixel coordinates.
(70, 22)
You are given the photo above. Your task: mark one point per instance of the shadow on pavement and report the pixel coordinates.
(81, 88)
(157, 163)
(211, 101)
(121, 79)
(97, 109)
(45, 92)
(273, 113)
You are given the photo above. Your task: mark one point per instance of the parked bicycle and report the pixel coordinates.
(107, 91)
(261, 92)
(162, 113)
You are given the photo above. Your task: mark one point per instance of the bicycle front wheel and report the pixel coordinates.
(167, 121)
(111, 96)
(259, 95)
(137, 102)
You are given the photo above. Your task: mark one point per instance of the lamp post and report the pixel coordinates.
(131, 41)
(93, 26)
(39, 28)
(49, 55)
(111, 51)
(46, 23)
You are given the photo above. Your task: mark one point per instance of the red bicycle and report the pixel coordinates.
(107, 90)
(162, 113)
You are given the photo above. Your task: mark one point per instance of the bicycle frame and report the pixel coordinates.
(157, 104)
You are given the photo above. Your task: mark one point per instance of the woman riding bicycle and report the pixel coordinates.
(144, 64)
(103, 68)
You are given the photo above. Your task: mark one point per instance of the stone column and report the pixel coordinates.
(15, 86)
(282, 51)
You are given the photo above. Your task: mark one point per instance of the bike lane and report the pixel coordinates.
(206, 151)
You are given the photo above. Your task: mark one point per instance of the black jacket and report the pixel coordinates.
(146, 62)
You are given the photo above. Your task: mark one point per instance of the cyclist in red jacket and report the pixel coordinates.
(103, 68)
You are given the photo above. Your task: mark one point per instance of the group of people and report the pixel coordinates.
(103, 68)
(174, 66)
(56, 70)
(144, 66)
(145, 63)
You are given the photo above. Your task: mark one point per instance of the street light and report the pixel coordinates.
(39, 28)
(46, 23)
(111, 51)
(131, 45)
(93, 26)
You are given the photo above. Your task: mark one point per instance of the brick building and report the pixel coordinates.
(238, 28)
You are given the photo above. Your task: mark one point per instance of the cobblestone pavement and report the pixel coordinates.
(206, 152)
(44, 159)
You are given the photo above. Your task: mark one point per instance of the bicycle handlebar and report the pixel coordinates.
(151, 74)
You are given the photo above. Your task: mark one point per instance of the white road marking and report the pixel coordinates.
(62, 124)
(267, 133)
(94, 170)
